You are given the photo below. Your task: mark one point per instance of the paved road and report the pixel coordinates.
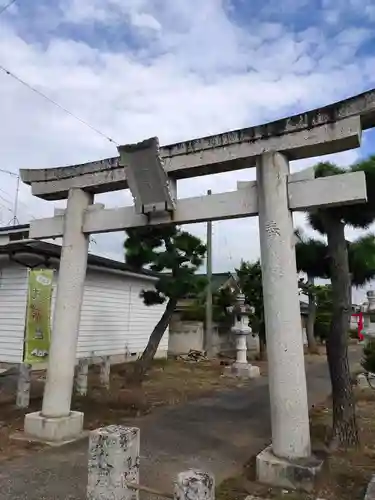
(217, 433)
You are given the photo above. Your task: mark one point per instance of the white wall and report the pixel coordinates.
(13, 297)
(114, 319)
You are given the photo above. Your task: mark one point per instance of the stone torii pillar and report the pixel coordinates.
(56, 421)
(287, 379)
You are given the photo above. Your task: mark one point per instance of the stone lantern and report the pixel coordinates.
(368, 327)
(241, 329)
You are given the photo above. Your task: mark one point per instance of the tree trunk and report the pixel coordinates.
(310, 333)
(344, 428)
(262, 343)
(143, 364)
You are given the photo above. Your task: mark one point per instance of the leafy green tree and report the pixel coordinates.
(312, 259)
(221, 300)
(175, 255)
(323, 299)
(250, 278)
(332, 222)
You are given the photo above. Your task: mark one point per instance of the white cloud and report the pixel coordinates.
(192, 72)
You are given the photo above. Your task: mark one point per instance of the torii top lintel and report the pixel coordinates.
(333, 128)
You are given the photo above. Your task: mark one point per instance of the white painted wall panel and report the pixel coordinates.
(114, 319)
(142, 319)
(13, 298)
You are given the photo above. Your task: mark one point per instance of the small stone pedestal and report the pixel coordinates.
(82, 377)
(113, 463)
(53, 431)
(366, 381)
(194, 485)
(242, 370)
(241, 329)
(293, 474)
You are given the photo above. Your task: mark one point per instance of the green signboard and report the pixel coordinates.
(38, 316)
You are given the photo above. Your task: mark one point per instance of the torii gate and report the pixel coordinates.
(273, 197)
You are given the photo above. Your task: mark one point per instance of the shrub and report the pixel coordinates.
(322, 324)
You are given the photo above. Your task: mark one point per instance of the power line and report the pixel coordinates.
(19, 202)
(38, 92)
(6, 194)
(6, 6)
(6, 208)
(8, 172)
(4, 199)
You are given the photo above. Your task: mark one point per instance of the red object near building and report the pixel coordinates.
(359, 317)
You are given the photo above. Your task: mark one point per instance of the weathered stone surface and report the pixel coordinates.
(325, 191)
(366, 381)
(194, 485)
(81, 377)
(105, 372)
(290, 474)
(286, 367)
(23, 386)
(370, 492)
(362, 105)
(113, 461)
(242, 370)
(54, 430)
(67, 311)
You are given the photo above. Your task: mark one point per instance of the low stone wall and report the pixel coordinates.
(185, 336)
(189, 335)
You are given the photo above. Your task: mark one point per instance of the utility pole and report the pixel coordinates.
(15, 208)
(14, 220)
(209, 346)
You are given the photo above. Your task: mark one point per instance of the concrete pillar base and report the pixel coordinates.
(242, 370)
(53, 430)
(366, 382)
(370, 492)
(289, 474)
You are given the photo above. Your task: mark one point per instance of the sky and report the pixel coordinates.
(175, 69)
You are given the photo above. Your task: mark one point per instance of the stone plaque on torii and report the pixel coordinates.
(152, 176)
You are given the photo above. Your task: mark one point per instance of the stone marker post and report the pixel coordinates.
(113, 461)
(194, 485)
(82, 376)
(23, 386)
(105, 372)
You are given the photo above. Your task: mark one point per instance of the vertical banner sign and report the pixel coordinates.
(38, 315)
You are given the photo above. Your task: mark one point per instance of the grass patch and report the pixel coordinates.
(169, 382)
